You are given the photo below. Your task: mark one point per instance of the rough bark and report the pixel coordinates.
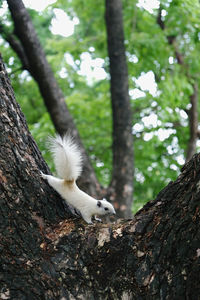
(50, 91)
(156, 255)
(122, 176)
(193, 112)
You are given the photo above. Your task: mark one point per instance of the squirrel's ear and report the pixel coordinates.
(104, 199)
(99, 203)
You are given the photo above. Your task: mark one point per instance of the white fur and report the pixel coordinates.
(67, 157)
(68, 162)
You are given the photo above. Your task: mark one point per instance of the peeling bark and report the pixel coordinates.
(121, 187)
(47, 253)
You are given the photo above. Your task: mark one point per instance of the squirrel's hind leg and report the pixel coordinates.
(87, 218)
(56, 183)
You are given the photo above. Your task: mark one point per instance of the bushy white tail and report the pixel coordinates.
(67, 157)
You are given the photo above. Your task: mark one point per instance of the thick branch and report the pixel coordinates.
(154, 254)
(41, 70)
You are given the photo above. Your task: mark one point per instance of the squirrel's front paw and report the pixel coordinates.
(98, 219)
(43, 175)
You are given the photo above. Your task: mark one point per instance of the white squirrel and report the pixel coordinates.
(68, 162)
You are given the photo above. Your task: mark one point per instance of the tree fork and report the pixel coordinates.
(47, 254)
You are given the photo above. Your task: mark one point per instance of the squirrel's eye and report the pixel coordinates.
(105, 208)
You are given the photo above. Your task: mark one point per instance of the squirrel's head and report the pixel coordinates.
(105, 207)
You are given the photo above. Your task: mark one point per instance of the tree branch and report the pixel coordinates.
(16, 46)
(159, 19)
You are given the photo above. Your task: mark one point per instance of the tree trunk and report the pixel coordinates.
(156, 255)
(122, 177)
(50, 91)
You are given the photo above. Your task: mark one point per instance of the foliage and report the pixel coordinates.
(160, 121)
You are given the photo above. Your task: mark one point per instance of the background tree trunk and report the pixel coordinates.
(50, 91)
(154, 256)
(122, 178)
